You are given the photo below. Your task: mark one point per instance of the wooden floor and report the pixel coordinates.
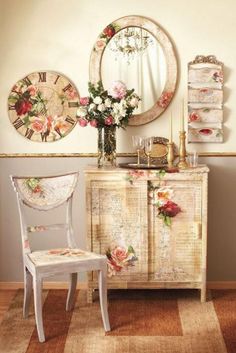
(6, 297)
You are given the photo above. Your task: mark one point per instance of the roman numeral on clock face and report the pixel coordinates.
(70, 120)
(55, 82)
(67, 87)
(29, 133)
(18, 123)
(73, 104)
(42, 76)
(27, 81)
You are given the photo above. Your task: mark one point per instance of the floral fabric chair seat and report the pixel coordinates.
(56, 256)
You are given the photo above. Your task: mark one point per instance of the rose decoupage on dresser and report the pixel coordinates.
(152, 225)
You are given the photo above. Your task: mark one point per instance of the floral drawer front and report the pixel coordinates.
(205, 100)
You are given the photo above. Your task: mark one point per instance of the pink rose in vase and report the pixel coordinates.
(109, 120)
(94, 123)
(82, 122)
(84, 101)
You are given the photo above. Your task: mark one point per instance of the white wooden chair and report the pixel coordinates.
(43, 194)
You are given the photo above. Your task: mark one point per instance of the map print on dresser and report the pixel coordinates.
(205, 99)
(119, 227)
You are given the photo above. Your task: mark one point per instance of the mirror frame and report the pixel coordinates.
(171, 62)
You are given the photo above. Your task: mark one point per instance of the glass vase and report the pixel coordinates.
(107, 146)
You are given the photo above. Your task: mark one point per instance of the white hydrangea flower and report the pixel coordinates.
(119, 109)
(108, 102)
(101, 107)
(97, 100)
(82, 111)
(92, 107)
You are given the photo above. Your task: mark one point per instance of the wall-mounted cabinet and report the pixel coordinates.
(205, 100)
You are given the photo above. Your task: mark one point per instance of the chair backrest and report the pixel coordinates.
(44, 193)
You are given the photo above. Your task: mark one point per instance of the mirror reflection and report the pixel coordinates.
(134, 56)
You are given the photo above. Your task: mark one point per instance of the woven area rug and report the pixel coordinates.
(151, 321)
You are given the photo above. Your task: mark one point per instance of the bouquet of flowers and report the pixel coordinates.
(104, 108)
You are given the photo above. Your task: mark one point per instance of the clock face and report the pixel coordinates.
(42, 106)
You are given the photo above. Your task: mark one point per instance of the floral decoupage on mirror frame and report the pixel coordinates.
(120, 36)
(42, 106)
(205, 99)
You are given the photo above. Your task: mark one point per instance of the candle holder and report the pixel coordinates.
(170, 154)
(182, 151)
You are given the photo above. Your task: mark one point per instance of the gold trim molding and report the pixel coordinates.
(94, 155)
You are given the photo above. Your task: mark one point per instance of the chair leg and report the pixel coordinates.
(102, 285)
(37, 283)
(27, 292)
(71, 292)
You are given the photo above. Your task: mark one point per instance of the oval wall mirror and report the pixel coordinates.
(137, 51)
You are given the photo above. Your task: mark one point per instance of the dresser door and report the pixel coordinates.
(119, 227)
(176, 250)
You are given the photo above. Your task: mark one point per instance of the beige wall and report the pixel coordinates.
(58, 35)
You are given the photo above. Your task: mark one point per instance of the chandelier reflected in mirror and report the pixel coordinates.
(130, 42)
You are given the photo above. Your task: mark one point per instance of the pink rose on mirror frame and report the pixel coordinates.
(118, 90)
(109, 120)
(84, 100)
(82, 122)
(119, 254)
(165, 99)
(100, 44)
(109, 31)
(93, 123)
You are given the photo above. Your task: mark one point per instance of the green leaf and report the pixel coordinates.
(162, 173)
(167, 221)
(26, 120)
(12, 99)
(131, 249)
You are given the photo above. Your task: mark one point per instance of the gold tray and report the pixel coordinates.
(143, 166)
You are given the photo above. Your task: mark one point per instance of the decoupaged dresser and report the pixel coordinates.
(152, 225)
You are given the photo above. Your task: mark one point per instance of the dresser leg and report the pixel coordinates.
(203, 287)
(203, 296)
(89, 295)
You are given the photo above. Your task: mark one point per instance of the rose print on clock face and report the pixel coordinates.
(42, 106)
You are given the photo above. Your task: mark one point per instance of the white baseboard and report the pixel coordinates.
(83, 285)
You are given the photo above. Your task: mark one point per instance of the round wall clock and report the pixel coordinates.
(42, 106)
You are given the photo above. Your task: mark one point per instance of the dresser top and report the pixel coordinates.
(201, 168)
(194, 172)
